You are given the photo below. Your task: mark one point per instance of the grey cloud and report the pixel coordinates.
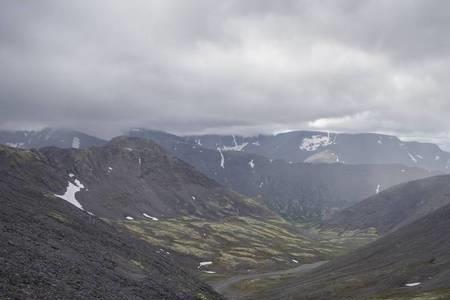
(226, 66)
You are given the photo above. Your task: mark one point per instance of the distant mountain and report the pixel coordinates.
(397, 206)
(324, 147)
(49, 137)
(295, 190)
(410, 263)
(50, 249)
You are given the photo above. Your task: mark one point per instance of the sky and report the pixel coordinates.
(230, 66)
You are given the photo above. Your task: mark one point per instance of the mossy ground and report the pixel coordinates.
(242, 243)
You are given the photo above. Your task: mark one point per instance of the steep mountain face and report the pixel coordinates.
(297, 190)
(49, 137)
(130, 178)
(324, 147)
(410, 263)
(397, 206)
(52, 250)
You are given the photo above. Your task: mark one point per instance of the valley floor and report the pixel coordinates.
(236, 255)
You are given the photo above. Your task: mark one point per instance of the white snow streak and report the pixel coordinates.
(378, 189)
(413, 284)
(129, 218)
(150, 217)
(222, 158)
(204, 263)
(412, 157)
(236, 147)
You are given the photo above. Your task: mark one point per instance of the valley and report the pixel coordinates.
(165, 192)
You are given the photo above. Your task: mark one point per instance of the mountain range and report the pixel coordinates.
(326, 147)
(143, 215)
(62, 138)
(294, 190)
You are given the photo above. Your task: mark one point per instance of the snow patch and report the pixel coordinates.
(140, 161)
(437, 157)
(413, 284)
(222, 158)
(209, 272)
(295, 261)
(236, 147)
(378, 189)
(380, 142)
(129, 149)
(204, 263)
(150, 217)
(257, 143)
(193, 197)
(261, 184)
(315, 142)
(129, 218)
(251, 164)
(71, 190)
(76, 142)
(110, 170)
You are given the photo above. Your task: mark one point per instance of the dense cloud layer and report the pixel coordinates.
(226, 66)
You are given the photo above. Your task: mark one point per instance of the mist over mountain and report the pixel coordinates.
(396, 207)
(295, 190)
(62, 138)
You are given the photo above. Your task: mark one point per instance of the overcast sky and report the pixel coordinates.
(236, 66)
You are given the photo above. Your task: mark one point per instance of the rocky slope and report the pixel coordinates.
(396, 207)
(52, 250)
(49, 137)
(297, 190)
(134, 179)
(324, 147)
(410, 263)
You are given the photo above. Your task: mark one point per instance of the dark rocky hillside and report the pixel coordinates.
(297, 190)
(410, 263)
(129, 178)
(324, 147)
(396, 207)
(49, 137)
(52, 250)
